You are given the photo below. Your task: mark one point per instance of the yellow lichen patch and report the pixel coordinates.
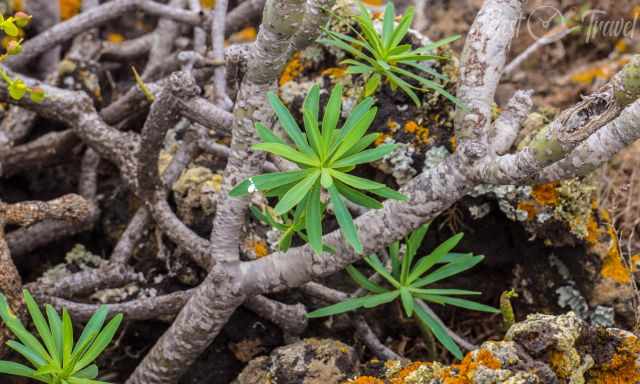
(115, 38)
(334, 72)
(561, 364)
(365, 380)
(635, 12)
(528, 207)
(613, 266)
(292, 70)
(401, 375)
(69, 8)
(622, 368)
(245, 35)
(545, 194)
(207, 3)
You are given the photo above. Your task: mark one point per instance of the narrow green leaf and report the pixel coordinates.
(387, 25)
(447, 271)
(439, 43)
(67, 339)
(444, 292)
(288, 153)
(314, 220)
(55, 324)
(268, 181)
(402, 28)
(345, 220)
(342, 307)
(355, 181)
(100, 343)
(92, 328)
(361, 145)
(366, 156)
(357, 114)
(266, 135)
(358, 197)
(373, 301)
(438, 331)
(296, 194)
(90, 372)
(310, 116)
(389, 193)
(28, 353)
(435, 256)
(331, 115)
(380, 268)
(15, 369)
(288, 123)
(15, 326)
(407, 301)
(41, 326)
(462, 303)
(363, 281)
(372, 84)
(394, 251)
(406, 88)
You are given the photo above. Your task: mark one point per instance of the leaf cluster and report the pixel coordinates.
(17, 88)
(56, 358)
(408, 281)
(382, 55)
(325, 154)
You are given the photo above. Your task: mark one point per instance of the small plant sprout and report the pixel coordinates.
(12, 27)
(55, 357)
(379, 56)
(325, 155)
(407, 282)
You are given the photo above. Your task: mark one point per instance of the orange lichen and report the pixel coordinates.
(401, 375)
(381, 139)
(259, 247)
(365, 380)
(115, 38)
(207, 3)
(334, 72)
(463, 373)
(245, 35)
(421, 133)
(601, 71)
(622, 368)
(392, 125)
(545, 194)
(375, 3)
(292, 70)
(635, 12)
(622, 46)
(454, 143)
(635, 262)
(17, 5)
(593, 230)
(69, 8)
(528, 207)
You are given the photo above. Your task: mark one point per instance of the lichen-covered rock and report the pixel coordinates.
(543, 349)
(310, 361)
